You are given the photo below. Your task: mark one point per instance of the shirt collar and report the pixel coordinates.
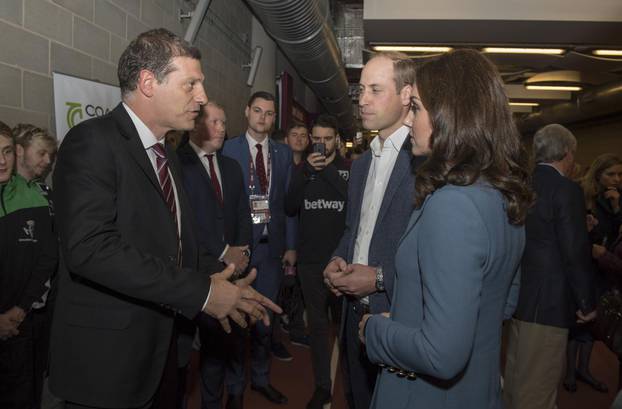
(393, 142)
(198, 150)
(147, 137)
(252, 142)
(551, 165)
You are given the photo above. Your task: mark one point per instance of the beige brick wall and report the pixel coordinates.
(86, 37)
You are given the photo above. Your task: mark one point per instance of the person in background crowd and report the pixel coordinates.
(35, 151)
(215, 188)
(380, 194)
(28, 258)
(318, 193)
(297, 138)
(601, 186)
(266, 168)
(129, 263)
(557, 278)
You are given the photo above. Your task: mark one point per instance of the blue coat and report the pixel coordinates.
(281, 229)
(455, 266)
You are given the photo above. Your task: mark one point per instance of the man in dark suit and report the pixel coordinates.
(266, 168)
(380, 201)
(129, 257)
(556, 286)
(215, 188)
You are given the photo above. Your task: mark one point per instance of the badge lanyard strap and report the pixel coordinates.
(251, 176)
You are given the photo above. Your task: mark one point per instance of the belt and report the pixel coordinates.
(400, 373)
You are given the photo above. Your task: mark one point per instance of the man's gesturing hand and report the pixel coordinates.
(223, 299)
(253, 303)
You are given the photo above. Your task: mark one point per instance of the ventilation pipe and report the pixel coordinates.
(600, 101)
(301, 29)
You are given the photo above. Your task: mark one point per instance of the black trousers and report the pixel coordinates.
(318, 299)
(23, 362)
(359, 373)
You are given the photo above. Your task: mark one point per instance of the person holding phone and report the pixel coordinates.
(318, 193)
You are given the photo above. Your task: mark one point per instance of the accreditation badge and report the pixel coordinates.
(260, 209)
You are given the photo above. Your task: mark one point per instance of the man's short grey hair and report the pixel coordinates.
(552, 142)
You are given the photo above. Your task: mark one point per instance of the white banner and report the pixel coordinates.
(76, 100)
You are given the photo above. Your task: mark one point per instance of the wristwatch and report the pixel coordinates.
(379, 279)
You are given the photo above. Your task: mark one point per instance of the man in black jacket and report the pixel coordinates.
(318, 191)
(215, 187)
(557, 278)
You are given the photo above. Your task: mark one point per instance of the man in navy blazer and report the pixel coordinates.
(380, 201)
(266, 167)
(215, 188)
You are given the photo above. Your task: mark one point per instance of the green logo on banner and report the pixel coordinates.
(75, 108)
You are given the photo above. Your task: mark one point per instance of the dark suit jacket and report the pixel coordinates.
(216, 226)
(281, 229)
(119, 280)
(557, 274)
(397, 205)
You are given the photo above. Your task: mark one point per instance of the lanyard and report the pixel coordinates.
(251, 167)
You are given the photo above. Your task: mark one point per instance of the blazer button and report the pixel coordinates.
(411, 376)
(382, 365)
(402, 373)
(392, 370)
(171, 259)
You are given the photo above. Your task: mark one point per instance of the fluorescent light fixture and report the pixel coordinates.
(610, 53)
(524, 104)
(554, 87)
(349, 145)
(412, 48)
(506, 50)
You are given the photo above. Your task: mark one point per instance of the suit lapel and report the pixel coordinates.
(135, 146)
(400, 170)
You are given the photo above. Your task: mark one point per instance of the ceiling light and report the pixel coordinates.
(554, 87)
(412, 48)
(505, 50)
(610, 53)
(524, 104)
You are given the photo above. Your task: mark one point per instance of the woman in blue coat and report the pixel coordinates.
(459, 257)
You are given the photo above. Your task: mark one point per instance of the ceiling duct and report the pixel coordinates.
(301, 29)
(597, 102)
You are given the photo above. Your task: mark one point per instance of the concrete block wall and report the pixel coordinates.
(86, 37)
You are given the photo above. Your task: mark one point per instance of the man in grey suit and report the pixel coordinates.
(379, 204)
(556, 286)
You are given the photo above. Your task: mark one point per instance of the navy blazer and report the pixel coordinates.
(557, 271)
(216, 226)
(455, 268)
(397, 205)
(281, 228)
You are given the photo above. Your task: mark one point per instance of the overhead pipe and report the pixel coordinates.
(597, 102)
(302, 31)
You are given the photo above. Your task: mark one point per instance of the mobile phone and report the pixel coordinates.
(319, 148)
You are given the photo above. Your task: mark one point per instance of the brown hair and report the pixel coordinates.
(5, 131)
(152, 50)
(403, 68)
(590, 182)
(25, 134)
(473, 133)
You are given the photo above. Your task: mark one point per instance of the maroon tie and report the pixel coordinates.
(261, 170)
(165, 179)
(214, 177)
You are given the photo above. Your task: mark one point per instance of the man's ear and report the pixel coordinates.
(19, 151)
(246, 112)
(146, 83)
(405, 94)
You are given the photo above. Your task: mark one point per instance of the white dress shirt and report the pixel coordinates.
(383, 158)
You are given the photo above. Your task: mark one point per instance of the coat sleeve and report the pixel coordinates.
(451, 284)
(86, 187)
(346, 238)
(574, 243)
(46, 263)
